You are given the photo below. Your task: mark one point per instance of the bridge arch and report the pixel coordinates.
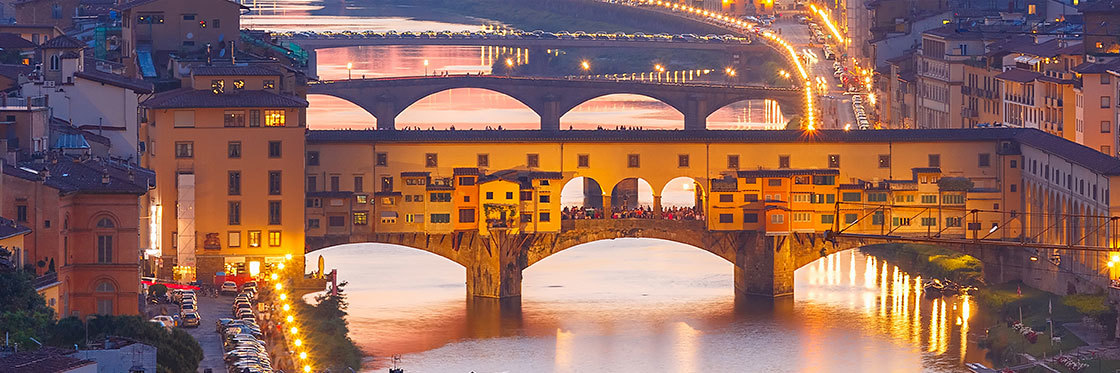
(683, 192)
(630, 110)
(508, 110)
(331, 112)
(582, 192)
(631, 193)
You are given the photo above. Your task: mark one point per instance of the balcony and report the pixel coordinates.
(25, 103)
(966, 90)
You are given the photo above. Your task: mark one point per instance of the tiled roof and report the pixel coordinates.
(13, 71)
(927, 170)
(520, 176)
(191, 98)
(951, 32)
(1071, 151)
(71, 174)
(62, 42)
(465, 171)
(1018, 75)
(415, 173)
(1108, 6)
(9, 228)
(227, 70)
(1095, 68)
(14, 41)
(43, 360)
(340, 194)
(136, 85)
(788, 172)
(136, 3)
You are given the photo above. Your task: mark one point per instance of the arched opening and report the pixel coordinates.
(581, 198)
(682, 198)
(748, 115)
(468, 108)
(622, 110)
(330, 113)
(631, 196)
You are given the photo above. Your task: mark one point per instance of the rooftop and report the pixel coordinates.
(9, 228)
(1071, 151)
(43, 360)
(233, 70)
(136, 85)
(14, 41)
(788, 172)
(1018, 75)
(71, 174)
(62, 42)
(191, 98)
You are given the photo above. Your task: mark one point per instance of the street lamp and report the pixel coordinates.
(349, 70)
(585, 65)
(425, 67)
(509, 66)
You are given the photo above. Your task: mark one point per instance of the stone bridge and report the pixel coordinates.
(551, 98)
(764, 264)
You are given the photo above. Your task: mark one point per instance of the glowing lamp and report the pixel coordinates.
(298, 342)
(294, 330)
(290, 318)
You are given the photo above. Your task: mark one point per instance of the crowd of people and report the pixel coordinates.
(640, 212)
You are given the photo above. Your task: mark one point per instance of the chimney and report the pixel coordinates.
(131, 175)
(105, 176)
(209, 54)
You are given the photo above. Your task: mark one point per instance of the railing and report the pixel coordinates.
(23, 102)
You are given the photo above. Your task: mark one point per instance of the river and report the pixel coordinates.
(625, 305)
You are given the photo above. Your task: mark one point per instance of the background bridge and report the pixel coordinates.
(551, 98)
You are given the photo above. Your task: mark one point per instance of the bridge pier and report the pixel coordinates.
(695, 115)
(312, 64)
(764, 266)
(494, 265)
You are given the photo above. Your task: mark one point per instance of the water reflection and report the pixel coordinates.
(637, 304)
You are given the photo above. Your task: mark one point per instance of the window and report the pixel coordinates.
(633, 161)
(929, 198)
(897, 221)
(1031, 9)
(750, 218)
(532, 160)
(431, 160)
(184, 149)
(233, 150)
(21, 213)
(440, 218)
(361, 218)
(104, 248)
(489, 195)
(483, 160)
(1105, 102)
(466, 215)
(238, 84)
(274, 149)
(935, 160)
(312, 183)
(750, 197)
(56, 13)
(876, 197)
(273, 118)
(254, 118)
(274, 182)
(877, 218)
(235, 183)
(850, 218)
(783, 161)
(953, 222)
(234, 118)
(774, 182)
(833, 161)
(509, 195)
(55, 64)
(273, 238)
(313, 223)
(386, 183)
(254, 238)
(184, 118)
(382, 159)
(884, 160)
(1105, 79)
(188, 17)
(274, 212)
(984, 160)
(733, 161)
(726, 218)
(827, 218)
(234, 238)
(929, 222)
(440, 197)
(358, 184)
(526, 218)
(234, 209)
(217, 23)
(545, 217)
(336, 221)
(777, 219)
(682, 160)
(268, 83)
(361, 199)
(313, 158)
(583, 161)
(334, 183)
(727, 197)
(1013, 164)
(544, 198)
(1106, 126)
(952, 199)
(1106, 149)
(526, 195)
(1013, 188)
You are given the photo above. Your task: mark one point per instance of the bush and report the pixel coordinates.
(157, 290)
(177, 351)
(328, 332)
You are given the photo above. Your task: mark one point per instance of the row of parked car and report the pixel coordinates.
(861, 116)
(187, 317)
(245, 350)
(519, 35)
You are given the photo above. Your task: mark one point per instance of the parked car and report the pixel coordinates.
(229, 287)
(191, 320)
(165, 320)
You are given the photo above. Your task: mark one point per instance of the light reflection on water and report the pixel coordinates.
(632, 305)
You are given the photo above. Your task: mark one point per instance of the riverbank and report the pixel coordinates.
(1021, 314)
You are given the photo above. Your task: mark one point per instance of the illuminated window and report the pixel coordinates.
(1031, 9)
(268, 84)
(234, 239)
(273, 118)
(217, 86)
(362, 199)
(254, 238)
(184, 149)
(234, 118)
(361, 218)
(273, 238)
(238, 84)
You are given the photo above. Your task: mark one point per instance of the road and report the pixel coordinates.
(835, 105)
(210, 309)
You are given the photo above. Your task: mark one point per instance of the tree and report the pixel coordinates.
(177, 351)
(326, 323)
(157, 290)
(23, 312)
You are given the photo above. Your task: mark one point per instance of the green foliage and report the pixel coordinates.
(158, 290)
(328, 332)
(177, 351)
(23, 312)
(931, 260)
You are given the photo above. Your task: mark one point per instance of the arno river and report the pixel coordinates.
(628, 305)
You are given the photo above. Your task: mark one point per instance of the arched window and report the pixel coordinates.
(105, 223)
(55, 62)
(105, 287)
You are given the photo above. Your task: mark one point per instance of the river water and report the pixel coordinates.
(626, 305)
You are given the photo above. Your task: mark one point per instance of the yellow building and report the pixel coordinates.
(229, 193)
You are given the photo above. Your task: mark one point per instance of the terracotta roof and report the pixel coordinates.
(191, 98)
(340, 194)
(62, 42)
(71, 174)
(1018, 75)
(136, 3)
(788, 172)
(951, 32)
(1058, 146)
(14, 41)
(9, 228)
(136, 85)
(1107, 6)
(43, 360)
(520, 176)
(1095, 68)
(465, 171)
(415, 173)
(13, 71)
(228, 70)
